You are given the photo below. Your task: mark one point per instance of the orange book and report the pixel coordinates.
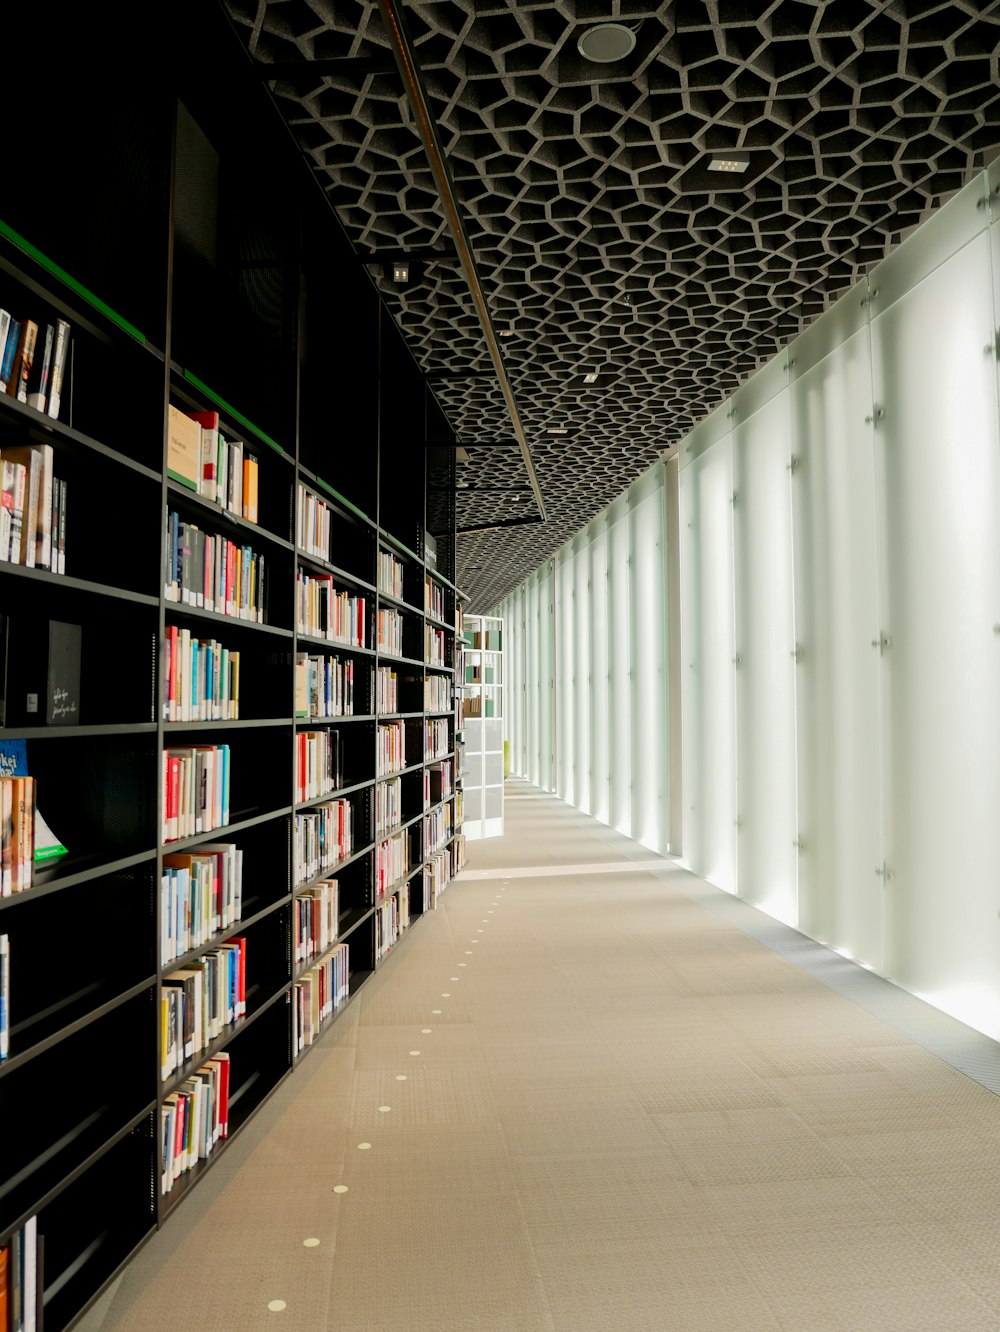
(250, 489)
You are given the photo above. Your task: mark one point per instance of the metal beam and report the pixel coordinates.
(504, 522)
(412, 83)
(289, 70)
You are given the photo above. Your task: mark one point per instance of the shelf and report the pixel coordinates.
(176, 491)
(247, 723)
(69, 872)
(181, 1074)
(332, 870)
(347, 923)
(325, 566)
(232, 413)
(70, 732)
(329, 721)
(333, 795)
(397, 603)
(31, 421)
(398, 716)
(445, 670)
(222, 936)
(226, 830)
(332, 645)
(439, 624)
(406, 661)
(70, 584)
(173, 609)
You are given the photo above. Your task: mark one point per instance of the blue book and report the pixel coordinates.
(9, 352)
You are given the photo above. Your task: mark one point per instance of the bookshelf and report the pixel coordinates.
(257, 790)
(483, 708)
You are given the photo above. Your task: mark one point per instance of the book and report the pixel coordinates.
(4, 1279)
(4, 999)
(17, 386)
(183, 448)
(39, 672)
(60, 355)
(38, 377)
(9, 354)
(29, 457)
(208, 450)
(43, 507)
(5, 322)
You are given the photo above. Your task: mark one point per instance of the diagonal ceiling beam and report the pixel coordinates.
(406, 62)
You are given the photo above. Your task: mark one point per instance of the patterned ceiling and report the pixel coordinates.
(603, 243)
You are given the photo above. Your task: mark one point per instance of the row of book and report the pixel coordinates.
(391, 751)
(4, 1000)
(390, 631)
(206, 570)
(438, 693)
(194, 1120)
(458, 847)
(438, 782)
(386, 690)
(32, 509)
(436, 739)
(220, 470)
(20, 1294)
(434, 646)
(437, 829)
(437, 876)
(312, 523)
(199, 1001)
(195, 790)
(317, 994)
(201, 893)
(201, 678)
(316, 914)
(390, 574)
(326, 611)
(324, 836)
(17, 834)
(388, 805)
(318, 765)
(324, 686)
(433, 598)
(388, 923)
(392, 860)
(33, 363)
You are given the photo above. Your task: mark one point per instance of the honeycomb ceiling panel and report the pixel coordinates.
(604, 244)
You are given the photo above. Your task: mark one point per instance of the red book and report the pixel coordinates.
(241, 987)
(172, 637)
(4, 1310)
(222, 1060)
(172, 795)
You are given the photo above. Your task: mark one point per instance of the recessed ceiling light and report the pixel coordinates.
(401, 273)
(558, 430)
(605, 43)
(590, 378)
(736, 164)
(506, 332)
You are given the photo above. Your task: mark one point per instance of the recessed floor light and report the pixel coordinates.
(605, 43)
(733, 164)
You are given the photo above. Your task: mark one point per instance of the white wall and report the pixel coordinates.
(838, 530)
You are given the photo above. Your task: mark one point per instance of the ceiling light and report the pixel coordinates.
(506, 332)
(736, 164)
(401, 273)
(605, 43)
(590, 378)
(558, 430)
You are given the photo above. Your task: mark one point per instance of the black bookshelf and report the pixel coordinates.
(200, 267)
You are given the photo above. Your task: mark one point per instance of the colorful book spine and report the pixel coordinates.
(390, 575)
(391, 754)
(201, 678)
(386, 690)
(313, 528)
(324, 837)
(318, 994)
(195, 790)
(206, 570)
(194, 1119)
(326, 611)
(390, 631)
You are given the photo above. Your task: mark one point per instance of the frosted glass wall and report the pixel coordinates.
(838, 533)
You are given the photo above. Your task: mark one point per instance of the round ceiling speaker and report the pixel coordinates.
(606, 42)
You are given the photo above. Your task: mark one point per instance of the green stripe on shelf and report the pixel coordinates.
(182, 480)
(343, 499)
(230, 410)
(51, 267)
(400, 544)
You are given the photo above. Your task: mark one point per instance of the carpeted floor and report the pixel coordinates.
(580, 1098)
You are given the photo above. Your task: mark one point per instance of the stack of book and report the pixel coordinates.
(386, 690)
(324, 837)
(32, 509)
(435, 739)
(200, 894)
(201, 678)
(437, 693)
(457, 852)
(195, 790)
(437, 874)
(326, 611)
(17, 834)
(390, 631)
(439, 781)
(19, 1288)
(324, 686)
(33, 363)
(437, 829)
(391, 755)
(312, 523)
(194, 1119)
(388, 805)
(4, 999)
(199, 1001)
(219, 470)
(316, 916)
(433, 646)
(318, 764)
(433, 598)
(391, 863)
(317, 994)
(205, 570)
(387, 926)
(390, 575)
